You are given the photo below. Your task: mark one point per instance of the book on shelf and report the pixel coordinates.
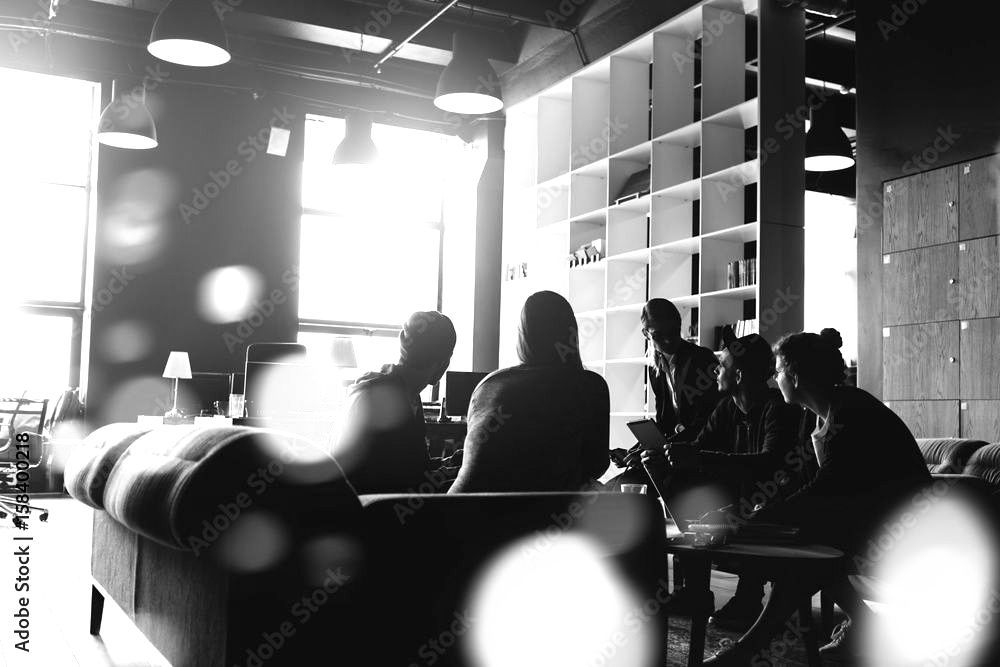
(741, 273)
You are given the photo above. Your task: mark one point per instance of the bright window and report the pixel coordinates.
(46, 178)
(371, 236)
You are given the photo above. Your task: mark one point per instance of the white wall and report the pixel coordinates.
(831, 280)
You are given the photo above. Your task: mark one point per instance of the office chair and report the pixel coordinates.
(19, 416)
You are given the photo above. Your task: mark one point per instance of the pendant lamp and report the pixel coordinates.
(827, 147)
(190, 32)
(127, 123)
(357, 146)
(468, 85)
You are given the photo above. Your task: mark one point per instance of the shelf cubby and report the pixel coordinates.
(720, 310)
(588, 193)
(619, 172)
(629, 114)
(628, 230)
(716, 254)
(590, 125)
(591, 333)
(670, 220)
(672, 164)
(627, 279)
(722, 146)
(723, 59)
(625, 339)
(553, 123)
(670, 274)
(586, 287)
(673, 80)
(627, 384)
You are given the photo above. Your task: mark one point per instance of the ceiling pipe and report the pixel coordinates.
(400, 45)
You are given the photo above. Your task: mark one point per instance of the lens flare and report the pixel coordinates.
(254, 542)
(557, 602)
(229, 293)
(935, 569)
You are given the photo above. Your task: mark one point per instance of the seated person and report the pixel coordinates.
(383, 444)
(868, 462)
(745, 448)
(542, 425)
(683, 383)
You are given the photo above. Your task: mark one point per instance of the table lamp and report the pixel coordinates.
(343, 354)
(178, 368)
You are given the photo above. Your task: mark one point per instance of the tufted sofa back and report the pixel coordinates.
(183, 486)
(947, 455)
(985, 464)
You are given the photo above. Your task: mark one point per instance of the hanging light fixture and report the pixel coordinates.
(190, 32)
(357, 146)
(468, 85)
(827, 147)
(127, 123)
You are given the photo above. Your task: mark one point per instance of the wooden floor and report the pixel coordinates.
(60, 598)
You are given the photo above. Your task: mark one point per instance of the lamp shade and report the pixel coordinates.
(827, 147)
(127, 123)
(468, 85)
(190, 32)
(178, 366)
(357, 146)
(343, 354)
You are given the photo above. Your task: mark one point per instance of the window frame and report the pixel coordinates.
(78, 310)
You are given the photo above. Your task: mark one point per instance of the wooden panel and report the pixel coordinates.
(979, 278)
(928, 419)
(981, 420)
(916, 285)
(980, 358)
(920, 362)
(979, 197)
(921, 210)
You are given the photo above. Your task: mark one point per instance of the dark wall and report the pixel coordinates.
(166, 217)
(924, 76)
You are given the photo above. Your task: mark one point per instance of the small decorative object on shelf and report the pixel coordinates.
(737, 329)
(587, 253)
(515, 271)
(741, 273)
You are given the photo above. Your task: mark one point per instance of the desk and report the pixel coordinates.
(782, 559)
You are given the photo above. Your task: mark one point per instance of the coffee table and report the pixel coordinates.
(779, 559)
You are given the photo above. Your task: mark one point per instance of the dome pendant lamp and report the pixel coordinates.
(190, 32)
(468, 85)
(357, 146)
(127, 123)
(827, 147)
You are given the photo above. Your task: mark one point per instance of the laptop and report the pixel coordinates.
(716, 533)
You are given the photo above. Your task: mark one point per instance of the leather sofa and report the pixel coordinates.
(959, 457)
(240, 546)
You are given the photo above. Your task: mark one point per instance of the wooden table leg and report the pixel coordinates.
(698, 578)
(96, 610)
(809, 634)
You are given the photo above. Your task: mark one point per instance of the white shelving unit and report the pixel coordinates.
(688, 101)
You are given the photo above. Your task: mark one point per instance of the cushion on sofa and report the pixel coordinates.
(985, 464)
(91, 463)
(185, 486)
(947, 455)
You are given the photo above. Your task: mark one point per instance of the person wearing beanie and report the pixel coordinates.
(542, 425)
(383, 443)
(869, 465)
(750, 452)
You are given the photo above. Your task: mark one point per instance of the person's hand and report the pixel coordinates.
(683, 456)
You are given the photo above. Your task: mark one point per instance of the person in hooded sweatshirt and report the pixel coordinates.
(383, 444)
(542, 425)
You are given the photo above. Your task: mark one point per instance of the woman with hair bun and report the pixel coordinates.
(869, 463)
